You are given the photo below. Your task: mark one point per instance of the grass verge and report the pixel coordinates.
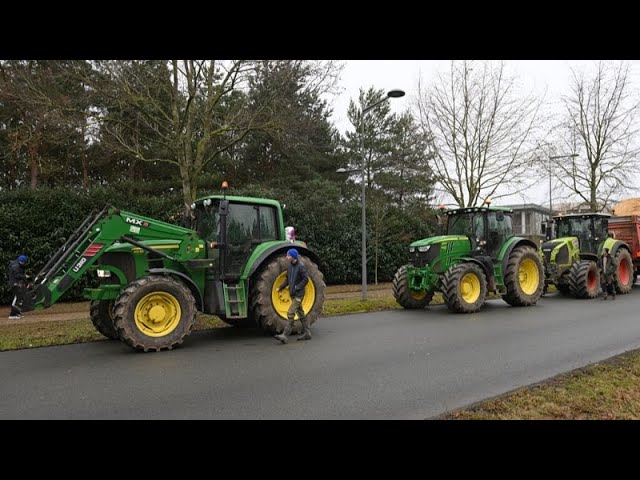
(608, 390)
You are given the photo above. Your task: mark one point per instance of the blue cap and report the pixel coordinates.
(292, 252)
(23, 259)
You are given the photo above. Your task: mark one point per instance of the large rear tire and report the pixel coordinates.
(269, 307)
(407, 298)
(101, 312)
(584, 279)
(625, 277)
(154, 313)
(464, 287)
(524, 277)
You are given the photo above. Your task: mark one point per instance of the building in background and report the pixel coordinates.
(527, 220)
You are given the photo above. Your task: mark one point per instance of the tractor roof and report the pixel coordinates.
(459, 211)
(582, 215)
(249, 200)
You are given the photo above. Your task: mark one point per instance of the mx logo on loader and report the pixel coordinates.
(135, 221)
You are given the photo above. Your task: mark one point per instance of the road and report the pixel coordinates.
(387, 365)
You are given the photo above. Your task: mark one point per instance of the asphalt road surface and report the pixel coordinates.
(403, 364)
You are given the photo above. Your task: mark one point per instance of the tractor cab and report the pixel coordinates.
(487, 228)
(590, 229)
(233, 227)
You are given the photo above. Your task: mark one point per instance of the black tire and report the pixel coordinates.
(584, 279)
(524, 286)
(452, 288)
(101, 312)
(624, 278)
(263, 311)
(409, 299)
(137, 332)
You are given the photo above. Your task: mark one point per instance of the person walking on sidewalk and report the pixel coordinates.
(17, 284)
(297, 278)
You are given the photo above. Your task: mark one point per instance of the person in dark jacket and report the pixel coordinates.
(17, 284)
(608, 274)
(297, 278)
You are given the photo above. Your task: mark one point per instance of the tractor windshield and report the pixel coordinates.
(574, 227)
(470, 224)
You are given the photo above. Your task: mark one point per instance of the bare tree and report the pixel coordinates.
(188, 112)
(601, 128)
(480, 130)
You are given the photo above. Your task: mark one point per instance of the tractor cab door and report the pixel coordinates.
(247, 226)
(499, 230)
(589, 238)
(602, 231)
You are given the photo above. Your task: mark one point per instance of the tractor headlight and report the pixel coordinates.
(412, 249)
(103, 273)
(424, 248)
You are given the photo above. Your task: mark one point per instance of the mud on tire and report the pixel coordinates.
(407, 298)
(273, 317)
(456, 283)
(584, 279)
(154, 313)
(523, 277)
(625, 275)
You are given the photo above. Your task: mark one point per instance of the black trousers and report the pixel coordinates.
(18, 299)
(609, 289)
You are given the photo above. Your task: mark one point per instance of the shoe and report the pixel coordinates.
(604, 298)
(281, 337)
(15, 317)
(305, 336)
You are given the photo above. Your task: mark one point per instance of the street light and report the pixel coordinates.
(390, 94)
(573, 155)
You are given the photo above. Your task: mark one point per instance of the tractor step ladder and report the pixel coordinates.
(235, 300)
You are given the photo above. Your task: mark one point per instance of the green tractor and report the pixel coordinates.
(154, 276)
(571, 260)
(479, 254)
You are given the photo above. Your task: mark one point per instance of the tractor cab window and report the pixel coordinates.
(602, 228)
(460, 224)
(500, 229)
(573, 227)
(471, 225)
(207, 221)
(247, 226)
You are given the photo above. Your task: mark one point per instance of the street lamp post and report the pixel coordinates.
(390, 94)
(573, 155)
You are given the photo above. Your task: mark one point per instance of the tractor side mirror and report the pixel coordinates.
(543, 228)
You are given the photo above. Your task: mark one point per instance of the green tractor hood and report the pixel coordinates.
(439, 239)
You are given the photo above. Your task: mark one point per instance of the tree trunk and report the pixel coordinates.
(33, 164)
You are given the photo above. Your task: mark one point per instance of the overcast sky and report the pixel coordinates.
(534, 75)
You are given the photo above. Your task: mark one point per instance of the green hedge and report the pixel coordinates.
(36, 223)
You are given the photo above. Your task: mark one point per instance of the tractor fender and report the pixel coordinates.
(617, 246)
(519, 242)
(189, 283)
(488, 273)
(281, 248)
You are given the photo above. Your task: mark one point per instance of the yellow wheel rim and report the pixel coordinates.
(470, 287)
(418, 295)
(282, 300)
(158, 314)
(528, 276)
